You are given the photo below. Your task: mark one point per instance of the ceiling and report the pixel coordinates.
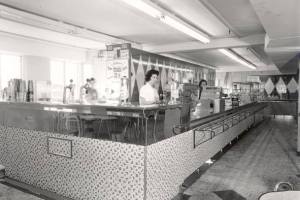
(263, 32)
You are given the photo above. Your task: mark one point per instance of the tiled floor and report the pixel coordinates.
(265, 156)
(11, 193)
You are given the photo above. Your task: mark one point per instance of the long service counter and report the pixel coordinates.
(112, 152)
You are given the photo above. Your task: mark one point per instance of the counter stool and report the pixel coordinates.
(84, 119)
(133, 124)
(69, 124)
(107, 121)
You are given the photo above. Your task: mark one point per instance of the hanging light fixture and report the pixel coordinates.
(153, 12)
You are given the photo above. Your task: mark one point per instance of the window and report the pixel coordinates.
(10, 68)
(57, 72)
(87, 71)
(63, 71)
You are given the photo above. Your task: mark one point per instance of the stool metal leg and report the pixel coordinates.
(154, 127)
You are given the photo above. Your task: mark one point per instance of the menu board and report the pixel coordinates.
(117, 68)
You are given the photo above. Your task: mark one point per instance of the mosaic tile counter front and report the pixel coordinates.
(90, 169)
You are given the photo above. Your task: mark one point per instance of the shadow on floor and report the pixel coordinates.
(229, 195)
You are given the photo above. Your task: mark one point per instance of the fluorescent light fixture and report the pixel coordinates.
(180, 27)
(142, 6)
(236, 58)
(153, 12)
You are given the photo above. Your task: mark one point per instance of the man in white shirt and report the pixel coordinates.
(148, 93)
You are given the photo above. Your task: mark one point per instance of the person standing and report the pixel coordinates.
(91, 93)
(202, 86)
(148, 92)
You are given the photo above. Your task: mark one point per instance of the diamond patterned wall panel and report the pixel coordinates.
(140, 75)
(292, 86)
(281, 86)
(98, 170)
(146, 61)
(133, 75)
(269, 86)
(268, 83)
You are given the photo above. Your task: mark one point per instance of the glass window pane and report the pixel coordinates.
(72, 71)
(10, 68)
(87, 71)
(57, 80)
(57, 72)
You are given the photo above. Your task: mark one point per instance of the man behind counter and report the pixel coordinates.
(148, 92)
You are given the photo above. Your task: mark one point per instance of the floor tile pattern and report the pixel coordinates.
(264, 157)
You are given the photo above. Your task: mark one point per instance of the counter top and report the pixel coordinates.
(89, 108)
(280, 100)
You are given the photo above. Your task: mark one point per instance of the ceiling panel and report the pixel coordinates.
(239, 14)
(112, 17)
(280, 18)
(197, 14)
(210, 57)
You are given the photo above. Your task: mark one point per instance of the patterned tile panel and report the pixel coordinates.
(3, 146)
(98, 170)
(170, 161)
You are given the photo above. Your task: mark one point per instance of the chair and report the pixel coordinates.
(282, 191)
(69, 124)
(282, 195)
(106, 120)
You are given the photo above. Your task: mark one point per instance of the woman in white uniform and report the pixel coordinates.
(148, 92)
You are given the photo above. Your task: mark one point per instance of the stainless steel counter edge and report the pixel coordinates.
(213, 116)
(84, 108)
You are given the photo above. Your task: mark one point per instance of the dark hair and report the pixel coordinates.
(88, 80)
(150, 73)
(92, 79)
(202, 81)
(201, 88)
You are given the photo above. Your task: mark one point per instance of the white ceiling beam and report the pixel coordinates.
(188, 60)
(214, 44)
